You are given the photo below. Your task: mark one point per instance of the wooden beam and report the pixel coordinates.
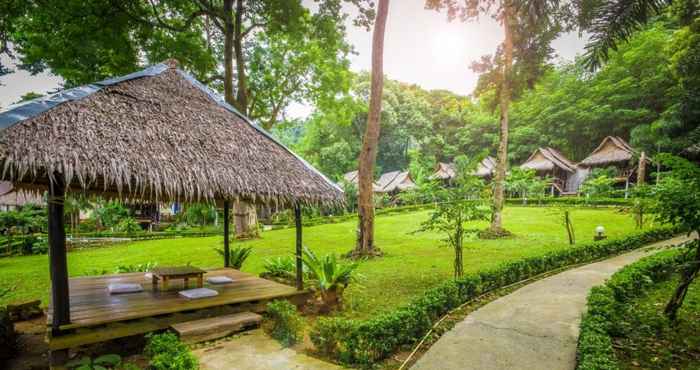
(300, 267)
(227, 221)
(58, 264)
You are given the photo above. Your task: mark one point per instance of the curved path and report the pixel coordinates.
(535, 327)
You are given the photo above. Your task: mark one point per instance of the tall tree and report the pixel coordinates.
(365, 238)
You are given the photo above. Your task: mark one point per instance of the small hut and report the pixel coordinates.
(446, 172)
(11, 199)
(548, 162)
(352, 177)
(394, 182)
(156, 135)
(615, 152)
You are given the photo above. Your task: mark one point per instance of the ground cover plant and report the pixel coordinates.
(412, 263)
(625, 326)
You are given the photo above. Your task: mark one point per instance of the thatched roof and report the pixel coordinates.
(9, 196)
(486, 167)
(351, 177)
(447, 171)
(547, 159)
(444, 171)
(394, 181)
(611, 150)
(157, 134)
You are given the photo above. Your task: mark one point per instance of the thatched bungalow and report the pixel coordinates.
(615, 152)
(156, 135)
(446, 172)
(352, 177)
(394, 182)
(548, 162)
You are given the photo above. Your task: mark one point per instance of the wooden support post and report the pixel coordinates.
(58, 266)
(227, 251)
(300, 267)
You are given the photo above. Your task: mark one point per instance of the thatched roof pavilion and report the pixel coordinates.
(394, 181)
(444, 171)
(448, 171)
(486, 167)
(153, 135)
(10, 198)
(548, 159)
(613, 150)
(351, 177)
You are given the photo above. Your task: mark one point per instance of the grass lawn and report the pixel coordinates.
(412, 262)
(650, 342)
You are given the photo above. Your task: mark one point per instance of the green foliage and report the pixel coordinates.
(366, 341)
(288, 325)
(167, 352)
(237, 256)
(450, 217)
(599, 184)
(678, 193)
(141, 267)
(329, 275)
(200, 214)
(282, 267)
(28, 219)
(607, 306)
(109, 214)
(526, 184)
(110, 361)
(128, 225)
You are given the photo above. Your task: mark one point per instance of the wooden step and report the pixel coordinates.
(215, 327)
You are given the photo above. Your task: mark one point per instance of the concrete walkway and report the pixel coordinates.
(535, 327)
(255, 350)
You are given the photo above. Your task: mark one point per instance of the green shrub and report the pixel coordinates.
(237, 256)
(111, 361)
(141, 267)
(167, 352)
(367, 341)
(287, 323)
(128, 225)
(607, 306)
(282, 267)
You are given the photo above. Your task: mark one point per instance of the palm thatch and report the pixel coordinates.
(158, 135)
(548, 159)
(612, 150)
(351, 177)
(444, 171)
(486, 167)
(394, 181)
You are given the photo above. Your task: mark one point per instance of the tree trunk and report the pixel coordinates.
(502, 156)
(459, 264)
(228, 52)
(242, 91)
(569, 228)
(245, 219)
(688, 274)
(642, 170)
(368, 155)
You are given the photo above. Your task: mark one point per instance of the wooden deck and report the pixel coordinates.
(98, 316)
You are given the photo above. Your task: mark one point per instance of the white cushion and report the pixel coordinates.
(198, 293)
(219, 280)
(148, 276)
(120, 288)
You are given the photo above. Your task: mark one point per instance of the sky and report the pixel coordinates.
(420, 47)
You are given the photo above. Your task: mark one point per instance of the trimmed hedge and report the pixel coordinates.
(364, 342)
(606, 305)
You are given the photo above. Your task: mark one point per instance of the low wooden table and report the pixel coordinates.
(179, 272)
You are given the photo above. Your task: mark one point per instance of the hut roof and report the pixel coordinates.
(9, 196)
(351, 177)
(155, 134)
(486, 167)
(546, 159)
(612, 149)
(444, 171)
(394, 181)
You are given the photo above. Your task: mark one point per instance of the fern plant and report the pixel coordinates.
(237, 256)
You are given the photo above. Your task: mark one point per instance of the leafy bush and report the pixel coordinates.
(141, 267)
(287, 323)
(607, 307)
(111, 361)
(200, 214)
(108, 214)
(167, 352)
(128, 225)
(282, 267)
(330, 276)
(237, 256)
(367, 341)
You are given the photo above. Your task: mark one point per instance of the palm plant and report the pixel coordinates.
(330, 276)
(237, 256)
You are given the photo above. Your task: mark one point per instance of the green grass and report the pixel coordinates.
(651, 342)
(412, 262)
